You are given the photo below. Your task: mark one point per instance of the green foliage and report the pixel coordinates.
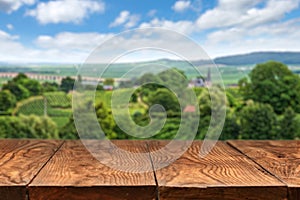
(265, 106)
(148, 81)
(28, 127)
(173, 78)
(16, 89)
(166, 98)
(19, 78)
(109, 81)
(231, 129)
(105, 119)
(7, 100)
(134, 98)
(33, 86)
(50, 87)
(288, 124)
(104, 97)
(257, 121)
(67, 84)
(23, 87)
(273, 83)
(68, 131)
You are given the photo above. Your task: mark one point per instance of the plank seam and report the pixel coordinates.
(42, 167)
(270, 173)
(153, 170)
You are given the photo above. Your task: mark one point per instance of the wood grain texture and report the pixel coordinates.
(281, 158)
(223, 174)
(20, 161)
(73, 173)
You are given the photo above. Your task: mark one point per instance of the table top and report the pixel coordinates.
(236, 169)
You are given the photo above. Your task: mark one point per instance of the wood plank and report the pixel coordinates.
(223, 174)
(281, 158)
(73, 173)
(20, 161)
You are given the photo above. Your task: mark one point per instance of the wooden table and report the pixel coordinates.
(51, 169)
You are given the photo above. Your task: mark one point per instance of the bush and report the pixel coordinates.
(28, 127)
(258, 121)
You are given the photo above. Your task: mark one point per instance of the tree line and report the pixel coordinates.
(265, 105)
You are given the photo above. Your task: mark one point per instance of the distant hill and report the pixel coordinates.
(239, 59)
(259, 57)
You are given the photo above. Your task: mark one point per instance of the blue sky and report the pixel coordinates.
(68, 30)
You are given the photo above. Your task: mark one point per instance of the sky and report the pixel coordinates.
(67, 31)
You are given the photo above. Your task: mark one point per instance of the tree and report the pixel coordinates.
(67, 84)
(109, 81)
(28, 127)
(33, 86)
(288, 126)
(50, 87)
(211, 115)
(257, 121)
(18, 90)
(19, 78)
(273, 83)
(40, 127)
(105, 120)
(7, 100)
(69, 131)
(23, 87)
(166, 98)
(231, 129)
(148, 81)
(174, 78)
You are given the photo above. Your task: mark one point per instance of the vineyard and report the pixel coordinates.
(56, 105)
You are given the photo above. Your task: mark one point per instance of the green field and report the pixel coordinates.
(57, 107)
(230, 74)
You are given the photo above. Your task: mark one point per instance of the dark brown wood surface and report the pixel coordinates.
(20, 162)
(73, 173)
(223, 174)
(281, 158)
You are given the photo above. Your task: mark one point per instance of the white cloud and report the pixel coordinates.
(230, 13)
(68, 41)
(185, 27)
(181, 5)
(281, 36)
(11, 49)
(9, 26)
(65, 11)
(126, 19)
(133, 20)
(76, 47)
(64, 47)
(121, 19)
(9, 6)
(152, 13)
(237, 27)
(6, 36)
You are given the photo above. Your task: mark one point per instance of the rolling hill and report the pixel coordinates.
(259, 57)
